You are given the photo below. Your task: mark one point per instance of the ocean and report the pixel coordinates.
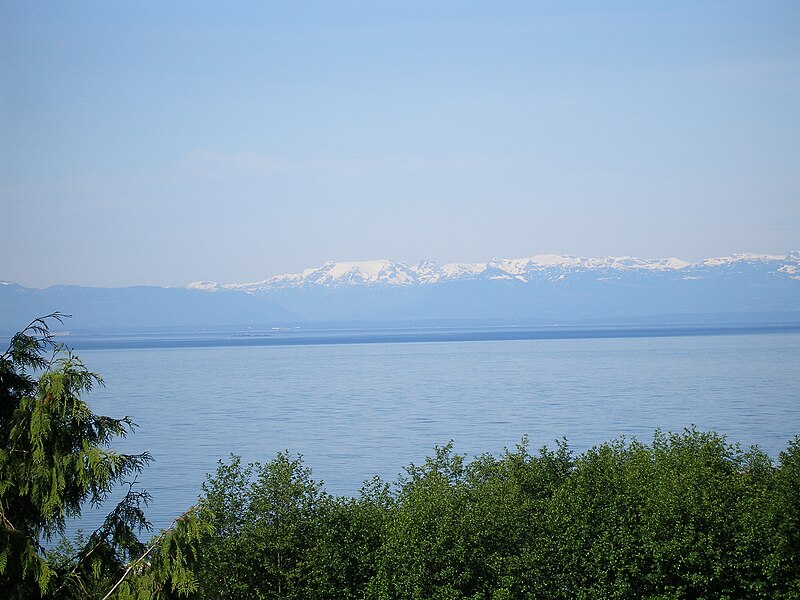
(359, 403)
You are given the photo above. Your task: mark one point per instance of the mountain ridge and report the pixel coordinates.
(539, 290)
(390, 272)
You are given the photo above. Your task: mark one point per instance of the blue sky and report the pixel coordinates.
(165, 142)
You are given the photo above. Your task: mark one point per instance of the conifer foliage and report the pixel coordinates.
(55, 459)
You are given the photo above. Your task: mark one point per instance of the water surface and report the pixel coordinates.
(355, 410)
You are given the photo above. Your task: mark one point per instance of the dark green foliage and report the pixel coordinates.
(783, 526)
(54, 459)
(228, 564)
(426, 553)
(263, 524)
(688, 516)
(348, 537)
(167, 568)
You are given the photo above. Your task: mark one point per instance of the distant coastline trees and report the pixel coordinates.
(688, 515)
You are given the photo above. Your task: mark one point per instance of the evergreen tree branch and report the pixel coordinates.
(153, 546)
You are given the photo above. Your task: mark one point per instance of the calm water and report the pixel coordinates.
(355, 410)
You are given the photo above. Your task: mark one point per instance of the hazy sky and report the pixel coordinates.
(166, 142)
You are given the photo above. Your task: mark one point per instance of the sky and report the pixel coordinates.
(159, 143)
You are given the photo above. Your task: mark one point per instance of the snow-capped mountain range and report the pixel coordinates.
(545, 289)
(551, 267)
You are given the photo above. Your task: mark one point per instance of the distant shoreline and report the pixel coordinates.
(378, 335)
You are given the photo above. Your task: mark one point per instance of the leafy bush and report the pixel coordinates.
(687, 516)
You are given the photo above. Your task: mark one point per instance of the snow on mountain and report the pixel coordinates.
(206, 286)
(373, 271)
(793, 271)
(541, 266)
(739, 258)
(520, 266)
(427, 272)
(463, 270)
